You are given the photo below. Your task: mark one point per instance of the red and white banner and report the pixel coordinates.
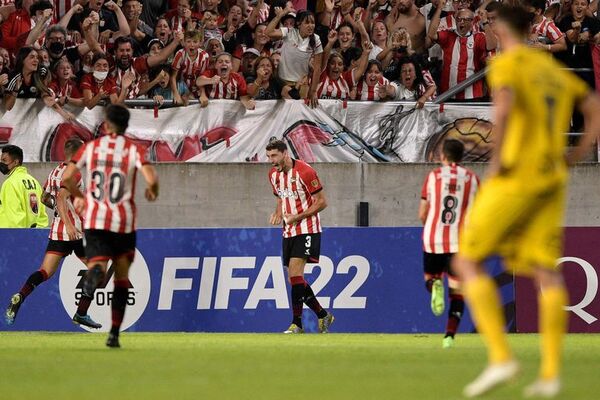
(224, 131)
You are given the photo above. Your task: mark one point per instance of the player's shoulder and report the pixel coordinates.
(302, 166)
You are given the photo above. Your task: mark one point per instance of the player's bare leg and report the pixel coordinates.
(119, 301)
(95, 274)
(481, 293)
(48, 268)
(552, 297)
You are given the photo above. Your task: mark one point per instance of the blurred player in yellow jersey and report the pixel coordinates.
(519, 210)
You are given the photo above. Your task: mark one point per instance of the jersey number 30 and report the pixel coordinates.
(116, 186)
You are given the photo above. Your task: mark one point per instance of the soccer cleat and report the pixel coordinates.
(543, 388)
(113, 341)
(13, 308)
(325, 322)
(491, 377)
(448, 342)
(294, 329)
(86, 320)
(437, 298)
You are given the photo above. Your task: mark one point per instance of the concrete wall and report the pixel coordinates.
(233, 195)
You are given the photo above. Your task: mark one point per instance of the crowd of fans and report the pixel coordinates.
(95, 52)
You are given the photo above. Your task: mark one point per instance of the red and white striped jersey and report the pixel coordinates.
(139, 66)
(233, 89)
(68, 89)
(58, 230)
(189, 69)
(548, 29)
(336, 89)
(111, 164)
(450, 191)
(463, 56)
(366, 92)
(337, 18)
(60, 8)
(296, 188)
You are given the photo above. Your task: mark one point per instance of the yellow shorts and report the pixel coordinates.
(523, 227)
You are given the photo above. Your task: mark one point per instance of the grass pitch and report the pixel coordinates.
(269, 366)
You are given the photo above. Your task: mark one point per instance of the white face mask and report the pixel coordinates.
(100, 75)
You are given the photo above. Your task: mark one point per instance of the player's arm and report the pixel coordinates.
(63, 214)
(589, 107)
(423, 210)
(69, 181)
(276, 217)
(432, 33)
(503, 100)
(151, 177)
(319, 204)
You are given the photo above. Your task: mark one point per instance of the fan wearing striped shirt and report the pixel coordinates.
(66, 236)
(544, 33)
(446, 197)
(335, 83)
(300, 199)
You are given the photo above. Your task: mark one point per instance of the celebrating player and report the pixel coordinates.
(300, 198)
(519, 210)
(65, 236)
(447, 195)
(111, 162)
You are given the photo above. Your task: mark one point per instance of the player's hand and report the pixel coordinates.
(249, 104)
(187, 14)
(79, 205)
(390, 90)
(576, 24)
(177, 100)
(290, 218)
(215, 79)
(151, 194)
(420, 103)
(95, 17)
(72, 233)
(3, 79)
(275, 219)
(111, 5)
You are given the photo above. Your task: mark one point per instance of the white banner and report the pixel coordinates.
(224, 131)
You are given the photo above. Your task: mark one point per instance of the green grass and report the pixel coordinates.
(269, 366)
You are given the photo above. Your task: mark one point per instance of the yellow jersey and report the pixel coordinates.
(544, 94)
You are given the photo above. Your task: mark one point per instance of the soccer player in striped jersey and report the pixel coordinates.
(300, 198)
(66, 234)
(111, 164)
(447, 194)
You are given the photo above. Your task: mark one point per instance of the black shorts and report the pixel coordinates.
(106, 245)
(66, 247)
(302, 246)
(436, 264)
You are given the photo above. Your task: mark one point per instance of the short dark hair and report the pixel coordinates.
(15, 152)
(118, 116)
(121, 40)
(493, 6)
(277, 144)
(72, 145)
(40, 6)
(517, 18)
(536, 4)
(453, 150)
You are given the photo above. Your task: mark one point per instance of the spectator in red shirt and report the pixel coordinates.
(64, 86)
(97, 86)
(223, 83)
(188, 64)
(17, 24)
